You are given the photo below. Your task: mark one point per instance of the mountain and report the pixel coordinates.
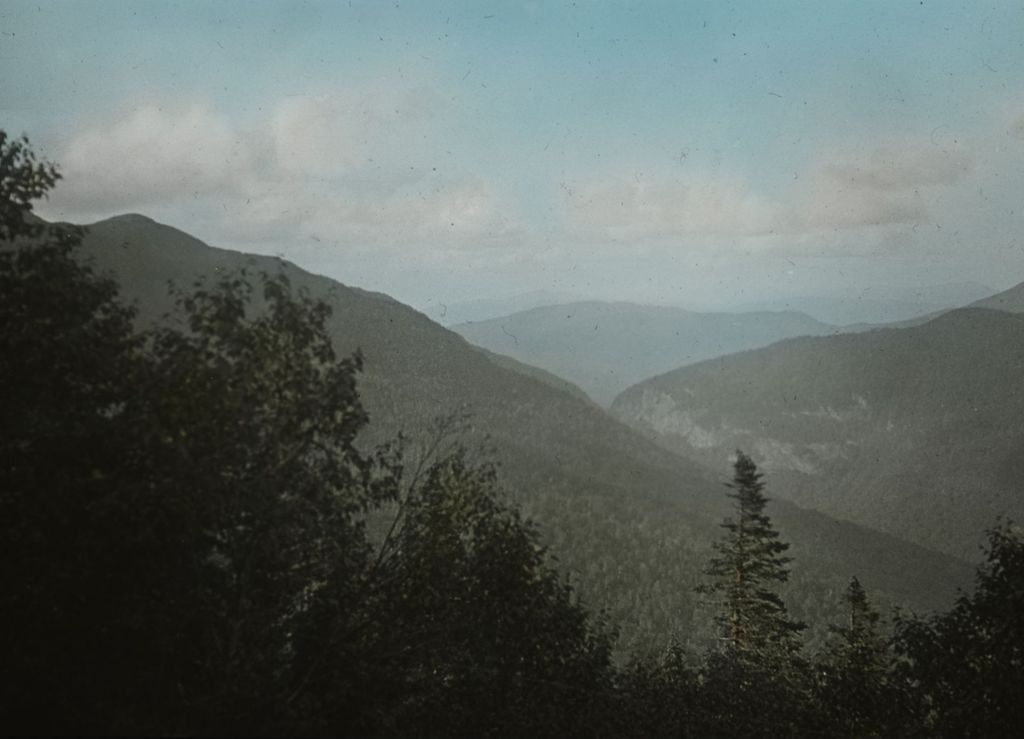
(629, 523)
(449, 314)
(1011, 300)
(606, 347)
(916, 431)
(880, 304)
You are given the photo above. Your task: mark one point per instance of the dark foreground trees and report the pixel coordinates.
(857, 692)
(184, 516)
(966, 666)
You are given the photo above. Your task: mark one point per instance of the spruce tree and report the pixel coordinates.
(859, 646)
(749, 565)
(854, 682)
(756, 684)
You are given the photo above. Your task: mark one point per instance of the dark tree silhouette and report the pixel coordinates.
(856, 688)
(748, 566)
(968, 663)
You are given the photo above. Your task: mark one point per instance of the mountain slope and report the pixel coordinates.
(449, 314)
(628, 521)
(915, 431)
(878, 304)
(606, 347)
(1011, 300)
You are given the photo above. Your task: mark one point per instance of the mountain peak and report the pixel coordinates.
(127, 219)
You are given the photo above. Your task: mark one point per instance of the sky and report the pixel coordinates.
(705, 154)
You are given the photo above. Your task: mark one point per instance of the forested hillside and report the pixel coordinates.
(912, 431)
(627, 521)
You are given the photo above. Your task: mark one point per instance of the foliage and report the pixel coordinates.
(856, 687)
(23, 180)
(65, 366)
(967, 664)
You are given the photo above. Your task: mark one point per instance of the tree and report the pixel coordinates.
(752, 619)
(23, 180)
(67, 359)
(658, 696)
(968, 664)
(175, 504)
(755, 684)
(243, 452)
(169, 502)
(470, 632)
(855, 686)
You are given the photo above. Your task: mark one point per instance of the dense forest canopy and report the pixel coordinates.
(196, 543)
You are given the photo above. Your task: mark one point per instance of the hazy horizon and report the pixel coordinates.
(699, 155)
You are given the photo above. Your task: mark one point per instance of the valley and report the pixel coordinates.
(628, 521)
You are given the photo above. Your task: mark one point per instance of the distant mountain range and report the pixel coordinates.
(606, 347)
(1011, 300)
(449, 314)
(914, 431)
(628, 521)
(878, 304)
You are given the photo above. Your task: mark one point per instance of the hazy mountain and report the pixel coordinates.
(630, 522)
(1011, 300)
(913, 431)
(878, 304)
(606, 347)
(449, 314)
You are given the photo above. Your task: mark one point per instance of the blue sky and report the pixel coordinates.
(697, 153)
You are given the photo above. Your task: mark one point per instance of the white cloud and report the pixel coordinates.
(884, 186)
(881, 187)
(153, 154)
(348, 129)
(895, 168)
(825, 204)
(340, 167)
(459, 214)
(634, 208)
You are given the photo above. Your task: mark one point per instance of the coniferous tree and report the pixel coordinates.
(855, 690)
(756, 683)
(750, 563)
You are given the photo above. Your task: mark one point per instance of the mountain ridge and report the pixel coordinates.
(895, 429)
(1011, 300)
(604, 347)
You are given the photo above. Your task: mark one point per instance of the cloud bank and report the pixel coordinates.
(885, 186)
(362, 170)
(347, 168)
